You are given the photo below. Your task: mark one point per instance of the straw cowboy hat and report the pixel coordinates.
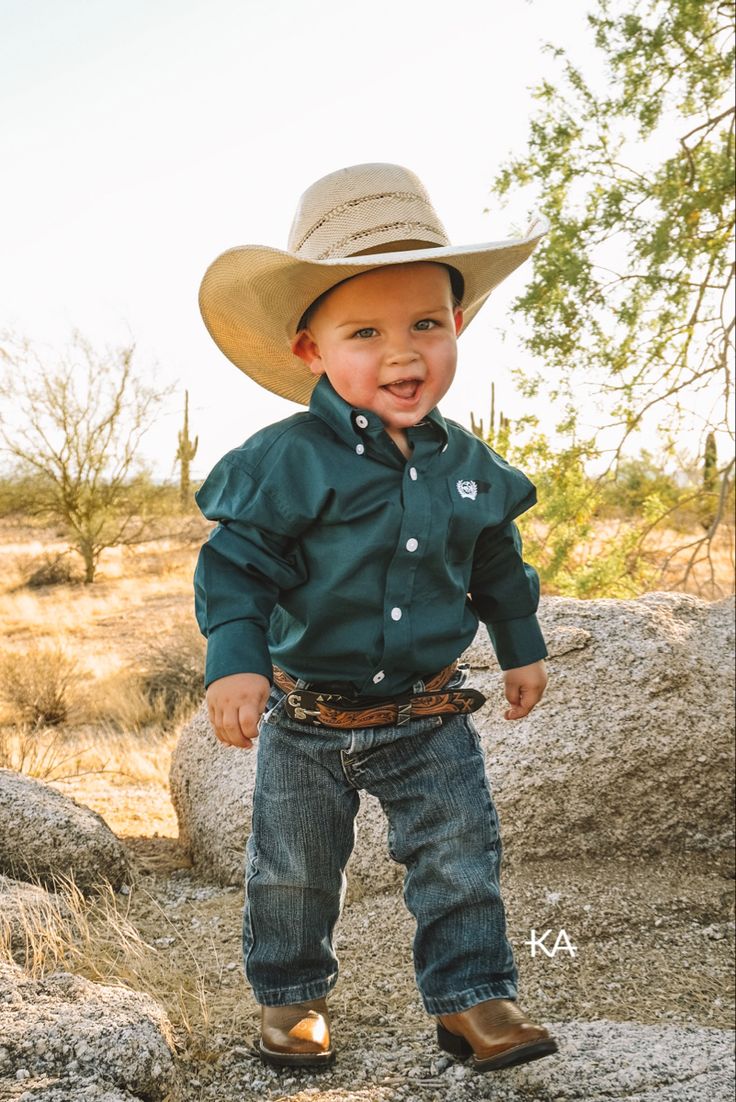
(354, 220)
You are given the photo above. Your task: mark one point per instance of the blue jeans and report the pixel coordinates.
(443, 827)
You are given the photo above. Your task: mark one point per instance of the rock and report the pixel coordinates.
(629, 750)
(69, 1088)
(625, 1060)
(65, 1027)
(30, 916)
(47, 836)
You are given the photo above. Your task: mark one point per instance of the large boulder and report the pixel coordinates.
(47, 836)
(66, 1028)
(629, 750)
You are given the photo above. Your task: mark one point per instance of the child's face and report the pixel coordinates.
(387, 341)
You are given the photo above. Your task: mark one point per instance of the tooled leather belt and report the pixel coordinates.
(322, 708)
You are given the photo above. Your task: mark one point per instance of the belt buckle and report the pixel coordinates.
(295, 710)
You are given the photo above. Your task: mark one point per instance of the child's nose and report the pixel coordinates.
(401, 350)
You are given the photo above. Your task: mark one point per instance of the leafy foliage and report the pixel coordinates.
(631, 297)
(599, 536)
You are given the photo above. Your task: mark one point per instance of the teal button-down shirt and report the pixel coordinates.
(338, 559)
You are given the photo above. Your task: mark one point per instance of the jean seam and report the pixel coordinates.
(248, 910)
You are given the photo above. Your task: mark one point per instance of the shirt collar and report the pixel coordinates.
(347, 421)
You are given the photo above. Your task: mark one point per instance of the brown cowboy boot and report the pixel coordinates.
(495, 1033)
(296, 1035)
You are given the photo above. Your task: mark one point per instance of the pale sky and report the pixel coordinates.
(141, 138)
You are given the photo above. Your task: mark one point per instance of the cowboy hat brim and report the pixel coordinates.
(252, 298)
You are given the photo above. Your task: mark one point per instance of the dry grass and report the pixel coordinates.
(123, 757)
(96, 938)
(137, 658)
(122, 657)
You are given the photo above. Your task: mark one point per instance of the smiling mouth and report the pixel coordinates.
(405, 389)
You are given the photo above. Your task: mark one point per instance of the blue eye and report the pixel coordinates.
(425, 324)
(367, 332)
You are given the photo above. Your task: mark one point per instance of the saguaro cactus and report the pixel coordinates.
(492, 438)
(710, 464)
(185, 453)
(710, 480)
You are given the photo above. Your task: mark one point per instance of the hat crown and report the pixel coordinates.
(357, 210)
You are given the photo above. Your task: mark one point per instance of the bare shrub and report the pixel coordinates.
(39, 684)
(172, 672)
(116, 702)
(51, 570)
(79, 418)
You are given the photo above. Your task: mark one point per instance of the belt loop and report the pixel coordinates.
(301, 683)
(418, 687)
(403, 713)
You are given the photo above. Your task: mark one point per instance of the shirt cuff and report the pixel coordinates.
(517, 642)
(238, 646)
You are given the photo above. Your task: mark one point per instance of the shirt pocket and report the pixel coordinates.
(472, 508)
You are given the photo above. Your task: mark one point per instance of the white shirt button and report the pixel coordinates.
(395, 613)
(413, 474)
(361, 421)
(378, 677)
(359, 448)
(412, 544)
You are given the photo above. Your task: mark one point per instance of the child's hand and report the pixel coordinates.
(524, 686)
(235, 705)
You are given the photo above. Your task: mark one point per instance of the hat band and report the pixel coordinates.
(350, 204)
(342, 247)
(354, 219)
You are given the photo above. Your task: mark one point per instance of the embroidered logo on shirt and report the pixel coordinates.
(467, 488)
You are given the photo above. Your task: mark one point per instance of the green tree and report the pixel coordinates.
(72, 432)
(631, 300)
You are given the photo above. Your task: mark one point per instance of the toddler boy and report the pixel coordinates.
(358, 545)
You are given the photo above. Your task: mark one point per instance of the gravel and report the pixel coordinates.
(641, 1003)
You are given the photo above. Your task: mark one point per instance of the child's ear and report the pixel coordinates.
(305, 347)
(457, 315)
